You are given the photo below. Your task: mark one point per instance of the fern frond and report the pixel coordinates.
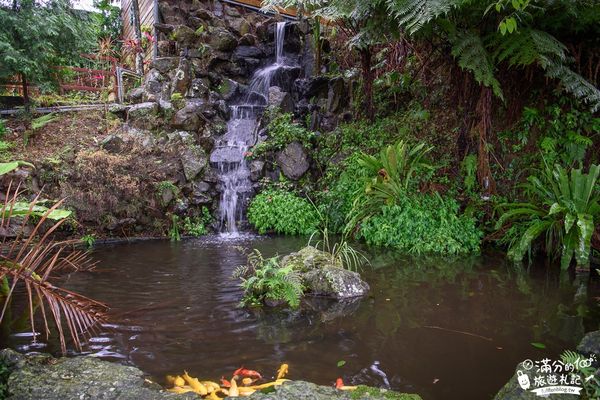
(572, 82)
(413, 15)
(527, 46)
(472, 56)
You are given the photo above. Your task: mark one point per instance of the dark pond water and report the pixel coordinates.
(446, 329)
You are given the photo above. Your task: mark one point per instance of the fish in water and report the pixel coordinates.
(377, 371)
(247, 373)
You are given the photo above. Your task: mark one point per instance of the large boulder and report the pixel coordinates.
(323, 275)
(41, 377)
(188, 118)
(280, 99)
(590, 344)
(293, 161)
(193, 160)
(144, 116)
(223, 40)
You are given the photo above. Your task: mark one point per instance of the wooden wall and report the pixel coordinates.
(146, 18)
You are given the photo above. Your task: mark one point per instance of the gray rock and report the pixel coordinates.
(247, 40)
(248, 52)
(135, 95)
(194, 160)
(324, 276)
(256, 170)
(113, 144)
(590, 344)
(120, 110)
(336, 97)
(153, 85)
(41, 377)
(165, 64)
(200, 193)
(182, 78)
(299, 390)
(188, 118)
(228, 88)
(513, 391)
(199, 88)
(185, 36)
(223, 40)
(280, 99)
(293, 161)
(144, 116)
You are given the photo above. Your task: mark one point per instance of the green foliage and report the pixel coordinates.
(108, 19)
(588, 373)
(279, 211)
(4, 374)
(36, 35)
(166, 186)
(282, 131)
(198, 226)
(7, 167)
(40, 122)
(340, 251)
(264, 280)
(398, 169)
(89, 240)
(469, 171)
(174, 232)
(564, 205)
(422, 224)
(3, 129)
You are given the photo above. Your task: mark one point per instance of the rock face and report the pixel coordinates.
(45, 378)
(293, 161)
(323, 276)
(42, 377)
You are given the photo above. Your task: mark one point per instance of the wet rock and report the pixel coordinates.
(280, 99)
(293, 160)
(336, 97)
(312, 87)
(297, 390)
(153, 85)
(143, 116)
(182, 78)
(228, 88)
(248, 52)
(41, 377)
(247, 40)
(200, 193)
(334, 282)
(256, 170)
(199, 88)
(324, 276)
(193, 159)
(223, 40)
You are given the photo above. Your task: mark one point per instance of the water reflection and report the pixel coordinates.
(445, 328)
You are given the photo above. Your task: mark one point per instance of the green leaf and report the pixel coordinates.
(555, 209)
(569, 220)
(7, 167)
(341, 363)
(538, 345)
(585, 223)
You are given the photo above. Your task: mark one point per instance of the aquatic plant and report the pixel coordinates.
(28, 262)
(280, 211)
(263, 279)
(340, 251)
(564, 206)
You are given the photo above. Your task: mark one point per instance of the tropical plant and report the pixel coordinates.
(280, 211)
(587, 370)
(89, 240)
(422, 224)
(564, 205)
(263, 279)
(389, 177)
(340, 251)
(28, 264)
(282, 131)
(174, 232)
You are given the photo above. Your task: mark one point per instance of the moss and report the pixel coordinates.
(364, 392)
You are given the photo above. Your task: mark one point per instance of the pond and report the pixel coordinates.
(443, 328)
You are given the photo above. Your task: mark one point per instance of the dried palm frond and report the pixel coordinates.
(28, 260)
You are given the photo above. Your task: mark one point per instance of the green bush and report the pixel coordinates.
(422, 224)
(280, 211)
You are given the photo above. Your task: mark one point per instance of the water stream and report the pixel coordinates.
(229, 154)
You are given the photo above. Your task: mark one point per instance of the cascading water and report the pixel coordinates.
(229, 154)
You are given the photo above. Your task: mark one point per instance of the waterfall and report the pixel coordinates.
(229, 155)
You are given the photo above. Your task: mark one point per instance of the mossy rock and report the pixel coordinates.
(309, 258)
(299, 390)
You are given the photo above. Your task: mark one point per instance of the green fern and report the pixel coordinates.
(472, 56)
(413, 15)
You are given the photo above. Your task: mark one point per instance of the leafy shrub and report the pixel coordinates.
(282, 131)
(263, 279)
(422, 224)
(564, 205)
(282, 212)
(198, 226)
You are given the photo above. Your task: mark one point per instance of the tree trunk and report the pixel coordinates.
(26, 99)
(367, 75)
(137, 28)
(484, 128)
